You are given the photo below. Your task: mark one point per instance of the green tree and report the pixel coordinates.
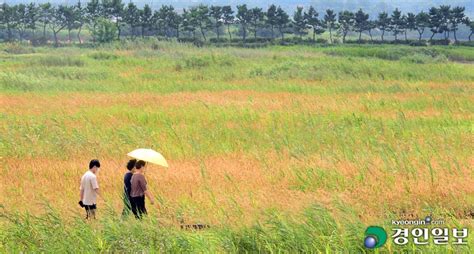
(217, 15)
(2, 18)
(396, 23)
(93, 14)
(410, 23)
(228, 18)
(313, 21)
(371, 25)
(44, 16)
(422, 21)
(383, 23)
(271, 19)
(470, 24)
(256, 19)
(173, 20)
(201, 17)
(244, 18)
(457, 17)
(346, 23)
(282, 20)
(159, 20)
(116, 10)
(436, 21)
(167, 21)
(8, 19)
(330, 21)
(404, 26)
(189, 23)
(79, 13)
(106, 30)
(32, 17)
(146, 19)
(445, 14)
(70, 19)
(21, 19)
(132, 17)
(58, 21)
(361, 22)
(299, 22)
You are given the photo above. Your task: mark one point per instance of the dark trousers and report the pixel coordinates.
(127, 205)
(138, 206)
(90, 211)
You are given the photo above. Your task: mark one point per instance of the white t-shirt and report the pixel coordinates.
(88, 185)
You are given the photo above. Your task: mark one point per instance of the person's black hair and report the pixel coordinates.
(93, 163)
(140, 164)
(131, 164)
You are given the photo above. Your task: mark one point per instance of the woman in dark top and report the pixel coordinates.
(139, 190)
(127, 187)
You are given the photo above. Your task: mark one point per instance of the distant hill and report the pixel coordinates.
(370, 6)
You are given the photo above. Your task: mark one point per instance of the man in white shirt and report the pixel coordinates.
(90, 189)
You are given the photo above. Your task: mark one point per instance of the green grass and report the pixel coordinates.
(314, 231)
(391, 52)
(209, 69)
(361, 134)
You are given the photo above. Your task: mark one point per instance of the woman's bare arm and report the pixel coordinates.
(150, 197)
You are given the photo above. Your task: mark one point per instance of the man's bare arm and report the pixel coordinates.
(99, 193)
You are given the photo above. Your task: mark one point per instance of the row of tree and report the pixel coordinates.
(112, 19)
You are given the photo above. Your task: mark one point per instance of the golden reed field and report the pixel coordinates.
(234, 186)
(246, 132)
